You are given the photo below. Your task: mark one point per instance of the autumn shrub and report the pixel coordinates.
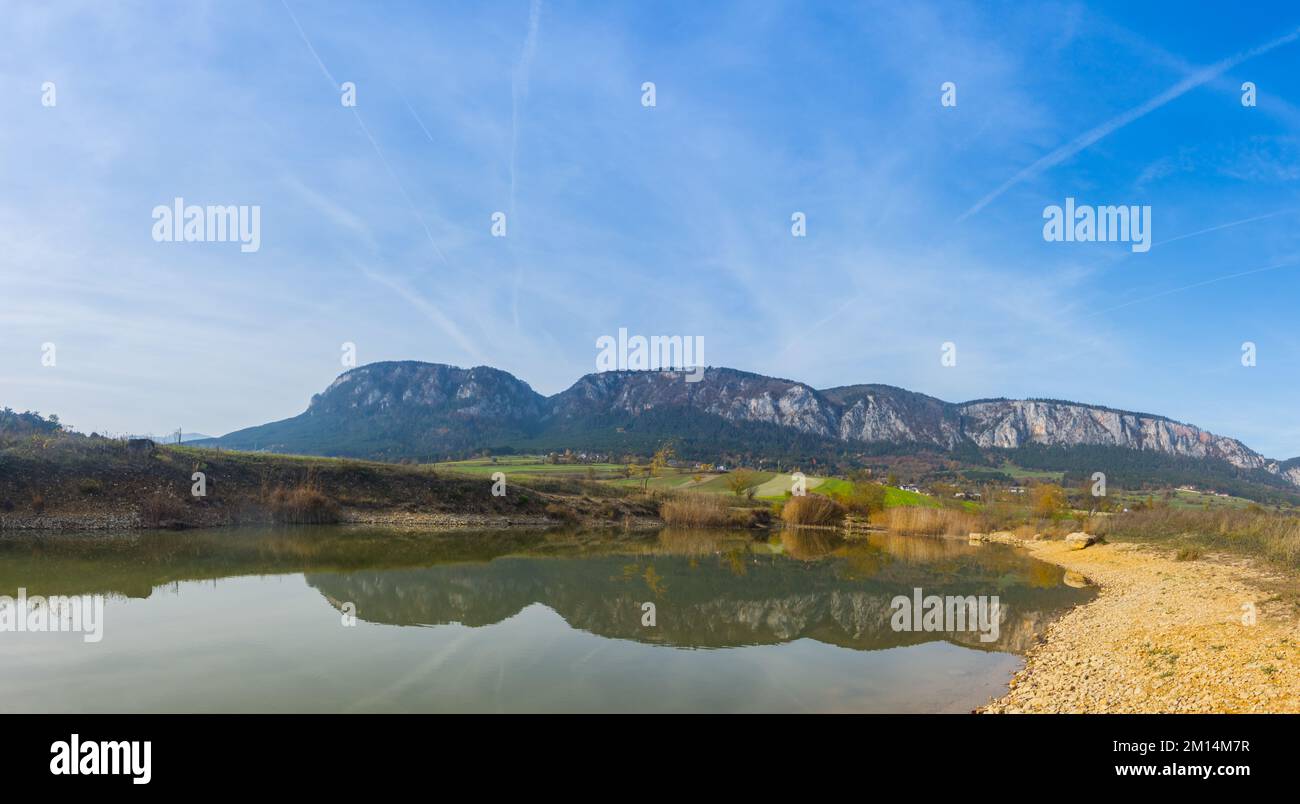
(695, 510)
(302, 505)
(740, 481)
(812, 509)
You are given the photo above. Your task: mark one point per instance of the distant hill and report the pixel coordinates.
(428, 411)
(170, 438)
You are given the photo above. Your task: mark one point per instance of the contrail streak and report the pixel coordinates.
(1114, 124)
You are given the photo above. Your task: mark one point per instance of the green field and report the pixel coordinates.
(831, 486)
(1031, 474)
(769, 486)
(1187, 499)
(672, 480)
(898, 498)
(775, 487)
(529, 466)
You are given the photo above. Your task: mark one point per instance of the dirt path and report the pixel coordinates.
(1162, 636)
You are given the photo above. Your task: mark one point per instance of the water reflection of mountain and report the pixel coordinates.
(711, 589)
(136, 564)
(714, 590)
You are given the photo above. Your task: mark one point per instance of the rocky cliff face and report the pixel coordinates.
(1289, 469)
(881, 413)
(1014, 423)
(480, 392)
(736, 396)
(884, 413)
(421, 409)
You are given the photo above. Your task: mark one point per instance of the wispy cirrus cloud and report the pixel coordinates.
(1112, 125)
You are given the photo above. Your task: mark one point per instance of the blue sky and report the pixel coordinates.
(924, 222)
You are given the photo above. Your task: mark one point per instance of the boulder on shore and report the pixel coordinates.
(1079, 540)
(1076, 579)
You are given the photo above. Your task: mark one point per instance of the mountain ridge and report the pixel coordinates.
(414, 409)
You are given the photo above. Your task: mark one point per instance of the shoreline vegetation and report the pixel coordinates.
(56, 480)
(67, 482)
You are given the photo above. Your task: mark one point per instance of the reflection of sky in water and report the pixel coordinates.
(550, 634)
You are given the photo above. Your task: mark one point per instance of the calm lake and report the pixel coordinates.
(256, 620)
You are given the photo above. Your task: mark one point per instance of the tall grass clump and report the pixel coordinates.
(918, 521)
(561, 512)
(695, 510)
(812, 509)
(162, 509)
(1275, 536)
(302, 505)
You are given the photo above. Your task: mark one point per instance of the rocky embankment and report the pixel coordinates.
(1162, 636)
(81, 521)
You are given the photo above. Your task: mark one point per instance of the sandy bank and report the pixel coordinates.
(1162, 636)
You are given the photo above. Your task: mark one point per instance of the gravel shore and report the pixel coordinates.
(1162, 636)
